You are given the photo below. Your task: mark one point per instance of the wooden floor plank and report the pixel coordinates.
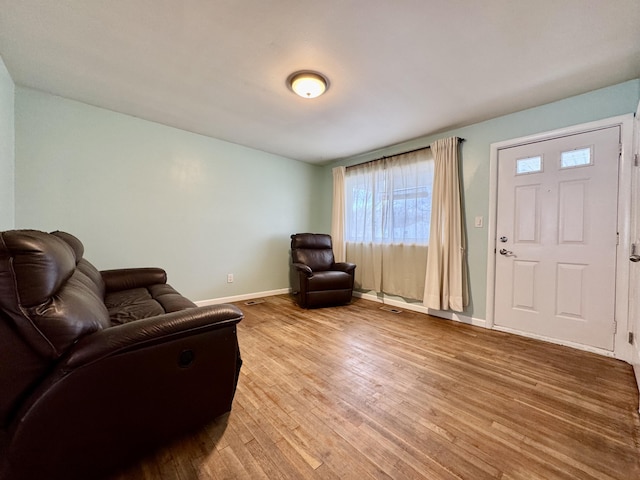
(362, 393)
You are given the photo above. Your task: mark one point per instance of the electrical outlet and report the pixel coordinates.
(229, 277)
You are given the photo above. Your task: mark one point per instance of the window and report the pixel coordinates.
(528, 165)
(580, 157)
(389, 201)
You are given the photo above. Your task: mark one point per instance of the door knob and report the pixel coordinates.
(634, 258)
(505, 252)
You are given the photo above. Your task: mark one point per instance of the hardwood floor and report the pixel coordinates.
(356, 392)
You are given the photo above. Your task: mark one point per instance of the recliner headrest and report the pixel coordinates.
(311, 240)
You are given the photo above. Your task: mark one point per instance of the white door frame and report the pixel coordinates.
(622, 349)
(634, 301)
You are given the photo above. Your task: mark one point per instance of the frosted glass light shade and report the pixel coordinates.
(308, 84)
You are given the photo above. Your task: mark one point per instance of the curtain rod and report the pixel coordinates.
(396, 154)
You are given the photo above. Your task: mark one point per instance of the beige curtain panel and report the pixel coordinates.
(446, 280)
(337, 215)
(396, 269)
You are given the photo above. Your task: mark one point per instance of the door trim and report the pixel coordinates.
(634, 277)
(621, 349)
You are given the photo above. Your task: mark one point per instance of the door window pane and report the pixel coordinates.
(528, 165)
(576, 158)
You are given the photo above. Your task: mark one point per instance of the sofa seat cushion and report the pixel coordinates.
(134, 304)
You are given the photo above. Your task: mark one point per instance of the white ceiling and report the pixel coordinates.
(398, 69)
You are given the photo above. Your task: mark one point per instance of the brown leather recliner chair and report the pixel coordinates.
(97, 368)
(316, 279)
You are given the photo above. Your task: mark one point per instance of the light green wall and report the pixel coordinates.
(608, 102)
(7, 149)
(138, 193)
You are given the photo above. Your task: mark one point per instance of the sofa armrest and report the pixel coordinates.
(302, 268)
(344, 267)
(126, 390)
(150, 331)
(127, 278)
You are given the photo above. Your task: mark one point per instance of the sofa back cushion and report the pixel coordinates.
(312, 249)
(94, 279)
(50, 301)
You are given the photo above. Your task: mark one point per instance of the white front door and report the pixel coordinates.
(556, 226)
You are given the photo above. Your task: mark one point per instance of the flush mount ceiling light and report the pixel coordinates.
(308, 84)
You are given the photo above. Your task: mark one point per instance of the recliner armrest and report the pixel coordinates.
(344, 267)
(127, 278)
(301, 267)
(149, 331)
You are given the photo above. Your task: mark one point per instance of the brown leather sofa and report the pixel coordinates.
(316, 279)
(97, 368)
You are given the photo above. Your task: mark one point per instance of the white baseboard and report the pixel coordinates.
(240, 298)
(478, 322)
(415, 307)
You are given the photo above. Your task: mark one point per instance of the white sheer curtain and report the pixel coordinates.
(446, 280)
(337, 217)
(388, 207)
